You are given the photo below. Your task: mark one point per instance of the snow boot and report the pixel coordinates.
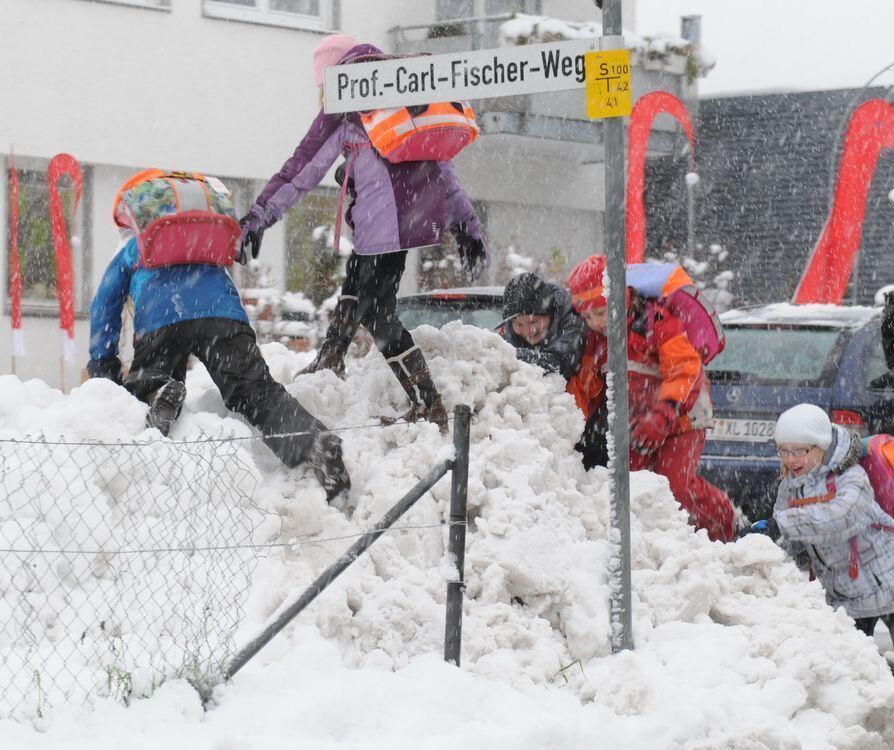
(325, 458)
(342, 326)
(165, 406)
(411, 370)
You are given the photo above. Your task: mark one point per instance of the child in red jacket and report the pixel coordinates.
(670, 407)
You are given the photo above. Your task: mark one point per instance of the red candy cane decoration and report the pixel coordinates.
(64, 164)
(869, 132)
(15, 272)
(646, 109)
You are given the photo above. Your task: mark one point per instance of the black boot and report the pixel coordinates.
(411, 370)
(342, 326)
(325, 458)
(165, 406)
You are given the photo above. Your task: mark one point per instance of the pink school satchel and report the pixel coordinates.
(179, 218)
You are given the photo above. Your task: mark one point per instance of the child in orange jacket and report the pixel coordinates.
(670, 407)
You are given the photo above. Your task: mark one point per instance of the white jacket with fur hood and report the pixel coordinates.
(823, 530)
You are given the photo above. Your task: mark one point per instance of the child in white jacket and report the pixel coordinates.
(826, 510)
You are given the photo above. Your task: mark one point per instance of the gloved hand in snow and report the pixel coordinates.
(472, 252)
(653, 428)
(767, 527)
(108, 367)
(252, 234)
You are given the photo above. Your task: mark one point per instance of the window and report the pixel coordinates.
(155, 4)
(451, 9)
(499, 7)
(311, 265)
(242, 193)
(37, 254)
(775, 355)
(298, 14)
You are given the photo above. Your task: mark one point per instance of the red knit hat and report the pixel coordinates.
(587, 283)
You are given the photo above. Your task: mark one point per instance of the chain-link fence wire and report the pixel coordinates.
(121, 565)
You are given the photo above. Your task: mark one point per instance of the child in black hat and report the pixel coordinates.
(540, 322)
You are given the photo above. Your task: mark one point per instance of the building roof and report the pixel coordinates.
(764, 195)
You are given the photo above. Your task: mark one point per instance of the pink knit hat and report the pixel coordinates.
(328, 52)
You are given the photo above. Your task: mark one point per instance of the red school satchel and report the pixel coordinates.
(179, 218)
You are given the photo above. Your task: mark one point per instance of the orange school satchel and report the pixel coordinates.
(426, 132)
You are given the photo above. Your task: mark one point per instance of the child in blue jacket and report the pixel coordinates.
(195, 309)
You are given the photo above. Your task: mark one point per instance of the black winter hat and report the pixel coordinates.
(527, 294)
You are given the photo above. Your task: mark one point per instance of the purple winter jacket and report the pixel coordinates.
(395, 206)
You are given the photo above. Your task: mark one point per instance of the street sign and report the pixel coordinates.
(608, 83)
(479, 74)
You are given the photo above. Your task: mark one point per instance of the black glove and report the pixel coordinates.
(251, 238)
(472, 254)
(882, 382)
(109, 367)
(340, 172)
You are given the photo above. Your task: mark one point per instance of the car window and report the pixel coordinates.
(482, 318)
(774, 355)
(413, 315)
(427, 315)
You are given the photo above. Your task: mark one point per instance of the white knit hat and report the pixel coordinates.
(804, 424)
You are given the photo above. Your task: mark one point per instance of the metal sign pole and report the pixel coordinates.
(619, 462)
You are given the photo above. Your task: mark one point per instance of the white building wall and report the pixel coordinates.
(122, 88)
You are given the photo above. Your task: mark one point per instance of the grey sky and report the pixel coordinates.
(764, 45)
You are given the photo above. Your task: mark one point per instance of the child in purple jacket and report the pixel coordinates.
(394, 208)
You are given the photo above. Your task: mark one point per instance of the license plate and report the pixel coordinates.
(742, 430)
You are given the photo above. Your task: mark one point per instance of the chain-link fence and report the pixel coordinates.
(121, 565)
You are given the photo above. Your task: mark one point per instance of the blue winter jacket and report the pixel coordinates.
(161, 296)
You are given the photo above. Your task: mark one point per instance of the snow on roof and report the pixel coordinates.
(833, 316)
(734, 646)
(528, 29)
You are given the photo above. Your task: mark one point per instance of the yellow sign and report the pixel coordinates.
(608, 83)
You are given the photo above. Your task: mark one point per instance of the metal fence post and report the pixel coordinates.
(459, 487)
(337, 568)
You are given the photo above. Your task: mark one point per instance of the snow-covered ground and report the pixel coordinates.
(734, 647)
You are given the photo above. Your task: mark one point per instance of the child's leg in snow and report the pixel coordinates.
(229, 351)
(375, 281)
(159, 357)
(708, 506)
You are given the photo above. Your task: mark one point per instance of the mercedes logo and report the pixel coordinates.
(734, 394)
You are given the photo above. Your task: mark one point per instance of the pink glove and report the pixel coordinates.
(653, 428)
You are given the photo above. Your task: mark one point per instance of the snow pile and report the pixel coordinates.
(733, 646)
(109, 549)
